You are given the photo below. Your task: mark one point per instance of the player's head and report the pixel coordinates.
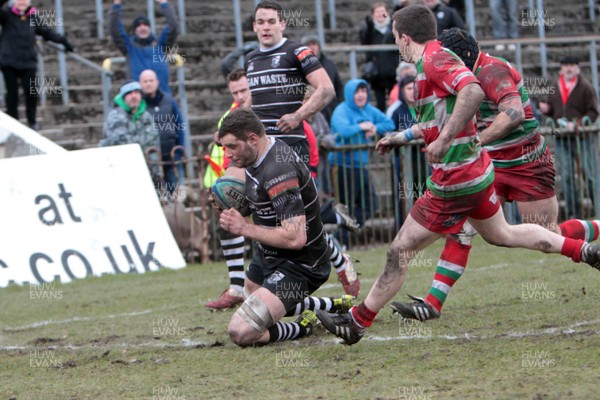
(238, 86)
(240, 135)
(268, 23)
(413, 25)
(149, 82)
(462, 44)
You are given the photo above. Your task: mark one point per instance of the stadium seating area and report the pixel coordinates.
(210, 35)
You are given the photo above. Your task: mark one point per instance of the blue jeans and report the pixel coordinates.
(505, 22)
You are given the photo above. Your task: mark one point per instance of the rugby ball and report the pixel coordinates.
(228, 192)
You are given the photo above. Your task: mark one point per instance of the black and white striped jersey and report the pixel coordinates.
(279, 186)
(277, 80)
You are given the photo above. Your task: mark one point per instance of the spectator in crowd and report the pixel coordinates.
(18, 54)
(356, 122)
(325, 142)
(504, 21)
(169, 125)
(380, 69)
(404, 69)
(574, 100)
(129, 122)
(404, 116)
(228, 62)
(312, 41)
(446, 17)
(142, 49)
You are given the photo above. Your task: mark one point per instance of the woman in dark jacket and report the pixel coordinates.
(382, 72)
(18, 53)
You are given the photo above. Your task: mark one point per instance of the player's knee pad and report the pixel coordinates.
(466, 234)
(255, 313)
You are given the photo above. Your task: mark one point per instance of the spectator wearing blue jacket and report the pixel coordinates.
(142, 49)
(356, 122)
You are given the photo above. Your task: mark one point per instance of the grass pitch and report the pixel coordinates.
(518, 325)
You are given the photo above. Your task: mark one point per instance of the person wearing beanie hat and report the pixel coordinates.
(142, 49)
(20, 25)
(129, 122)
(311, 40)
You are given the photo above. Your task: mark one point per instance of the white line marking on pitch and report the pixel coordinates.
(77, 319)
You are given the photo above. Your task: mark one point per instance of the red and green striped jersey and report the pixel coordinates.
(466, 168)
(500, 80)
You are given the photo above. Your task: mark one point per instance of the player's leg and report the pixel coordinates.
(495, 230)
(449, 269)
(344, 268)
(411, 238)
(233, 250)
(257, 322)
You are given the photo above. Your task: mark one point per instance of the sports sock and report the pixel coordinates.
(287, 331)
(362, 316)
(580, 229)
(312, 303)
(572, 249)
(233, 250)
(337, 260)
(449, 269)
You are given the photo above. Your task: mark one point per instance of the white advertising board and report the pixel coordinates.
(82, 213)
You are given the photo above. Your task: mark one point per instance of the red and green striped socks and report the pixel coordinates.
(450, 267)
(580, 229)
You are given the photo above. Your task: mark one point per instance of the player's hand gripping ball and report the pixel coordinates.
(228, 192)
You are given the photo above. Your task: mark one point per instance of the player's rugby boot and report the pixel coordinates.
(342, 326)
(590, 254)
(229, 299)
(349, 278)
(418, 310)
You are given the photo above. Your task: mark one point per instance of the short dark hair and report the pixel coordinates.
(416, 21)
(240, 123)
(269, 5)
(236, 75)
